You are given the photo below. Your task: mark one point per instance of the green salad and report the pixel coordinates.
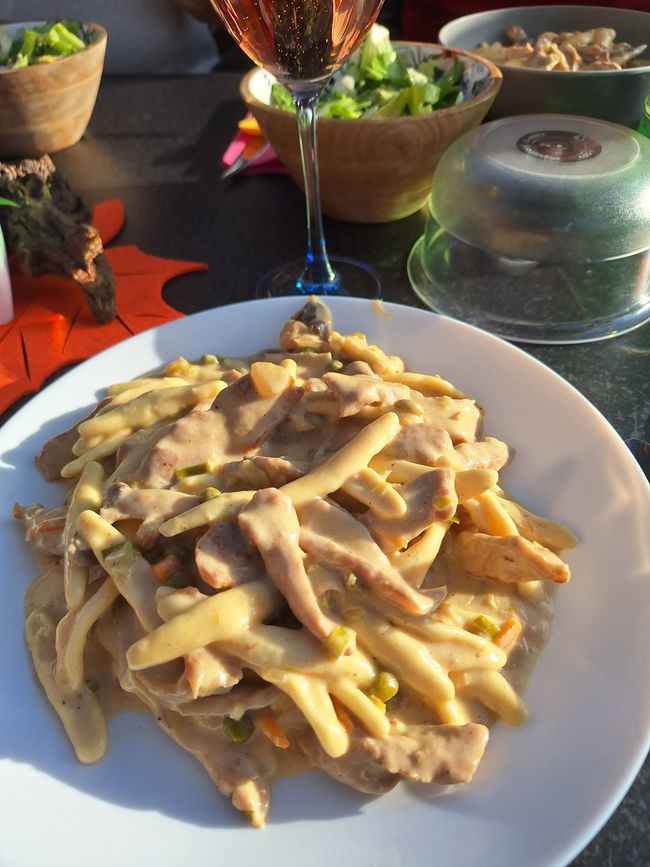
(44, 43)
(377, 81)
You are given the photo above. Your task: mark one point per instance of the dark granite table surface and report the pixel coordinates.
(156, 144)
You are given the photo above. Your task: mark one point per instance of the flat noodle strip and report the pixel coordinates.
(221, 508)
(290, 659)
(409, 658)
(494, 691)
(145, 383)
(222, 617)
(414, 563)
(489, 515)
(149, 408)
(142, 386)
(72, 632)
(80, 711)
(351, 459)
(103, 450)
(128, 569)
(468, 483)
(87, 495)
(537, 529)
(424, 383)
(372, 490)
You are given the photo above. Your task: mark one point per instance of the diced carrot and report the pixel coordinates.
(165, 568)
(342, 715)
(270, 727)
(508, 634)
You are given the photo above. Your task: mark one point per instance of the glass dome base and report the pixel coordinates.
(530, 302)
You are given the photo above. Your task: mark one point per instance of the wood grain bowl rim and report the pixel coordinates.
(489, 92)
(98, 43)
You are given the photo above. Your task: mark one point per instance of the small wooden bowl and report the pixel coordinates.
(375, 171)
(46, 107)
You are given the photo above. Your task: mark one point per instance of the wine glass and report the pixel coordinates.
(302, 43)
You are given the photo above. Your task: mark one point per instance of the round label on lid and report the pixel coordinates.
(559, 145)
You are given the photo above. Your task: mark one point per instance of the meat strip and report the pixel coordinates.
(353, 393)
(57, 452)
(224, 557)
(489, 454)
(190, 441)
(260, 471)
(430, 498)
(331, 535)
(44, 527)
(237, 422)
(152, 507)
(234, 703)
(443, 754)
(504, 558)
(271, 523)
(249, 418)
(420, 443)
(458, 416)
(440, 754)
(208, 671)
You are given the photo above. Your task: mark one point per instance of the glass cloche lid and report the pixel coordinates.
(539, 230)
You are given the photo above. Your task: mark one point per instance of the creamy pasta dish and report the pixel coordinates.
(302, 559)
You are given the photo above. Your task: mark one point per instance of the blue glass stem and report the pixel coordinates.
(318, 276)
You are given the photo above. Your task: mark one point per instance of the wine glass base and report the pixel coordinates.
(354, 279)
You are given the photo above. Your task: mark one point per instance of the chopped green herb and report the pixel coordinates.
(486, 626)
(194, 470)
(442, 502)
(339, 641)
(384, 687)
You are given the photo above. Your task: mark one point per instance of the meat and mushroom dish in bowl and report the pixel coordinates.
(584, 51)
(592, 61)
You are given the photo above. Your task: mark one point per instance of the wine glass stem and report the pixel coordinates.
(318, 270)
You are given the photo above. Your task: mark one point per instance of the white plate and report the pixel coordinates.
(542, 792)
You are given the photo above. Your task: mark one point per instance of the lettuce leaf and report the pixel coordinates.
(376, 82)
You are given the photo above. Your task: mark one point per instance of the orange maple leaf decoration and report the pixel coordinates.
(53, 326)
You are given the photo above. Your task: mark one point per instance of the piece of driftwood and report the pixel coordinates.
(50, 231)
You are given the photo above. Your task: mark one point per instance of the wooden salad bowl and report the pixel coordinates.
(46, 107)
(374, 171)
